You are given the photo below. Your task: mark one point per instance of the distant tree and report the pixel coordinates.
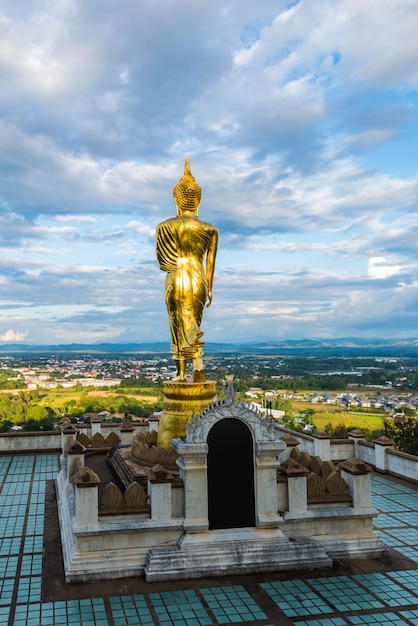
(336, 432)
(141, 381)
(32, 395)
(404, 432)
(375, 377)
(36, 425)
(283, 405)
(12, 384)
(12, 409)
(309, 414)
(37, 413)
(292, 384)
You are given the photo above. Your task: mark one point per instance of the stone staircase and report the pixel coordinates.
(235, 551)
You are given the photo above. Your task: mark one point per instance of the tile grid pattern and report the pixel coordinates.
(389, 599)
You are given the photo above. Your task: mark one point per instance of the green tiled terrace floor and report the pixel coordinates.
(388, 598)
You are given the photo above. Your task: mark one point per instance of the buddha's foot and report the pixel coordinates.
(199, 376)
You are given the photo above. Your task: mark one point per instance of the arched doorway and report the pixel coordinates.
(231, 496)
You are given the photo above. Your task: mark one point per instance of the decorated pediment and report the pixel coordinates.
(262, 427)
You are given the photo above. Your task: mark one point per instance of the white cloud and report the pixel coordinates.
(13, 335)
(298, 130)
(381, 268)
(77, 219)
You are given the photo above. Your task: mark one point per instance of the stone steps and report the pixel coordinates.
(199, 559)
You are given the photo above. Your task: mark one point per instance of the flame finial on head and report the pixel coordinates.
(187, 193)
(187, 170)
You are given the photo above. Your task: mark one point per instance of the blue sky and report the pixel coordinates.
(300, 120)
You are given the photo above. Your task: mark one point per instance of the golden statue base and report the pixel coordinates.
(181, 402)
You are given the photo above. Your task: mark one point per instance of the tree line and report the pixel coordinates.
(24, 409)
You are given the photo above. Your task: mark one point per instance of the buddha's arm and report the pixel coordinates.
(210, 262)
(166, 248)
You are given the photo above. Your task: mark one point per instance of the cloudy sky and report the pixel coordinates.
(300, 120)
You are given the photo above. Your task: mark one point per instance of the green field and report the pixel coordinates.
(57, 398)
(325, 414)
(350, 419)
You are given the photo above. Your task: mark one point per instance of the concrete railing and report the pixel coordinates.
(402, 464)
(42, 441)
(366, 452)
(50, 441)
(380, 454)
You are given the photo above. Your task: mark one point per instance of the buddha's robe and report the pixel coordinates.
(183, 243)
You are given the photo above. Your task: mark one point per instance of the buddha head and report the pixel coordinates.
(187, 193)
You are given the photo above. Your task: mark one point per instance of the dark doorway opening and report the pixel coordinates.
(231, 497)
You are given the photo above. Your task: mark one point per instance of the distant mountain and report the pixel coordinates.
(158, 347)
(344, 346)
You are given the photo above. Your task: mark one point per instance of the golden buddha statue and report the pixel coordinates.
(186, 250)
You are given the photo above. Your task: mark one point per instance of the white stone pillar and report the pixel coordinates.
(193, 471)
(291, 443)
(322, 445)
(68, 434)
(380, 446)
(75, 452)
(95, 425)
(159, 491)
(282, 498)
(356, 474)
(126, 432)
(356, 436)
(86, 497)
(266, 483)
(297, 491)
(154, 421)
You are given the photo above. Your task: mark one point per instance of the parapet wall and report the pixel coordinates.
(50, 441)
(403, 465)
(30, 442)
(391, 462)
(380, 454)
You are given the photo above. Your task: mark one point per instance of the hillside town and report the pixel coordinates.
(49, 371)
